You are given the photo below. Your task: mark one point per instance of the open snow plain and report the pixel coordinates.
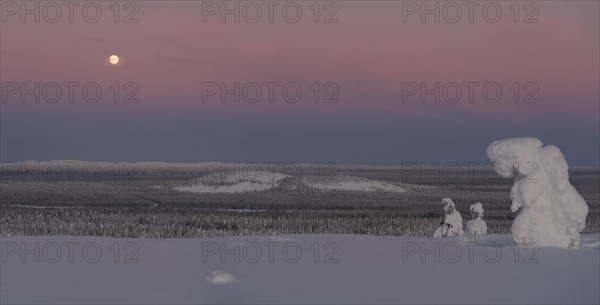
(293, 269)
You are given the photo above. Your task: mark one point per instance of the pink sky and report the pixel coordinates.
(370, 53)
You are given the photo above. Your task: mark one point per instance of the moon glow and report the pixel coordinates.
(114, 59)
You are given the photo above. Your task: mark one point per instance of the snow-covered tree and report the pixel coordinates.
(476, 226)
(452, 224)
(552, 212)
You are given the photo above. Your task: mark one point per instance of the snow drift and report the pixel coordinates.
(552, 213)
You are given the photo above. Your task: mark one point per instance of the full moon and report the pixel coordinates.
(114, 59)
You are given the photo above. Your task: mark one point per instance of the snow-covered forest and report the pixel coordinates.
(151, 200)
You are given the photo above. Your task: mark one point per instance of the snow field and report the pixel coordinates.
(317, 269)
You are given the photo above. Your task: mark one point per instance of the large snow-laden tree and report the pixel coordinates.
(452, 224)
(552, 213)
(476, 226)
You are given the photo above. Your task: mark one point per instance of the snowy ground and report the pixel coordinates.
(345, 269)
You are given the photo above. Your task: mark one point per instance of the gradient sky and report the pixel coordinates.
(369, 53)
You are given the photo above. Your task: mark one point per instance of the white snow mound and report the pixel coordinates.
(221, 278)
(552, 212)
(234, 182)
(348, 183)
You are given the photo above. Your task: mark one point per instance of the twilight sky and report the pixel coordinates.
(374, 59)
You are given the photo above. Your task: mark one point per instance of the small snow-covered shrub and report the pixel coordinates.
(476, 226)
(452, 224)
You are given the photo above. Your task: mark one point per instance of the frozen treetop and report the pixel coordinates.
(477, 208)
(448, 204)
(513, 154)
